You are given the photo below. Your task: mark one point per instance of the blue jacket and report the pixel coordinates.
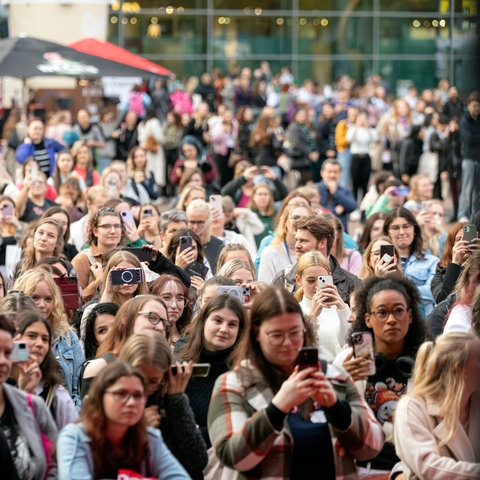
(421, 273)
(27, 150)
(342, 196)
(70, 357)
(74, 456)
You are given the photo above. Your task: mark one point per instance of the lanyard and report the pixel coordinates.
(288, 251)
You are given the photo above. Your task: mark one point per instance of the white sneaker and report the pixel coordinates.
(464, 219)
(355, 216)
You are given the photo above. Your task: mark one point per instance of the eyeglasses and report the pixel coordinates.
(154, 318)
(197, 222)
(123, 396)
(398, 312)
(170, 299)
(278, 338)
(108, 226)
(397, 228)
(38, 182)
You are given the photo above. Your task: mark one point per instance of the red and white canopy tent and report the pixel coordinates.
(109, 51)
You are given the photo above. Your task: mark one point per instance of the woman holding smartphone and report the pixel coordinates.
(387, 308)
(148, 228)
(320, 300)
(211, 339)
(269, 419)
(167, 405)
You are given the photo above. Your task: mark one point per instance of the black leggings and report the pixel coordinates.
(360, 170)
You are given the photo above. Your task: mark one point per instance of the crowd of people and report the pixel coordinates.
(183, 295)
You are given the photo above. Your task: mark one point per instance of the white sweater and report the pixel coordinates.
(331, 331)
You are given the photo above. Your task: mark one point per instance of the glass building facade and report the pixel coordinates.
(403, 40)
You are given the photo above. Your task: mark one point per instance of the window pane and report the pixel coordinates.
(250, 6)
(239, 36)
(323, 35)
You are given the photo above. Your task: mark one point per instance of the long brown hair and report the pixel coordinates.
(134, 446)
(195, 342)
(269, 303)
(449, 243)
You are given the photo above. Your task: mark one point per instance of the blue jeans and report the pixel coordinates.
(469, 202)
(344, 159)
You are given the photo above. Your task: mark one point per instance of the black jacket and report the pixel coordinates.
(444, 280)
(470, 137)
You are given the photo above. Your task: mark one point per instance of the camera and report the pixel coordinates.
(240, 293)
(148, 212)
(129, 276)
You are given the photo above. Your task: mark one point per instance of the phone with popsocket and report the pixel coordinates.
(7, 210)
(387, 253)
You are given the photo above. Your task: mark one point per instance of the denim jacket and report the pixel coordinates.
(70, 357)
(420, 272)
(74, 456)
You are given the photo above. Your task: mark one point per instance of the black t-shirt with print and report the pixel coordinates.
(383, 391)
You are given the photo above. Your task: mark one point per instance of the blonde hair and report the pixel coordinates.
(281, 230)
(188, 189)
(439, 375)
(310, 259)
(230, 267)
(414, 181)
(27, 283)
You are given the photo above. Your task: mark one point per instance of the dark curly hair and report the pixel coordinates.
(416, 248)
(417, 332)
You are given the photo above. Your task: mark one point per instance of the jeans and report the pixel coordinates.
(469, 202)
(344, 159)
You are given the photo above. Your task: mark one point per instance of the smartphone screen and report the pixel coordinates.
(386, 250)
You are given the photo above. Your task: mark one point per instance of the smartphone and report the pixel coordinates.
(401, 192)
(19, 352)
(197, 269)
(127, 217)
(147, 213)
(426, 204)
(198, 370)
(33, 174)
(307, 358)
(323, 280)
(469, 232)
(185, 242)
(387, 250)
(216, 201)
(7, 210)
(143, 254)
(363, 347)
(240, 293)
(128, 276)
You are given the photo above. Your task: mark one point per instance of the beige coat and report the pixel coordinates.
(418, 431)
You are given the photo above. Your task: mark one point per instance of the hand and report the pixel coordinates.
(332, 186)
(107, 295)
(152, 416)
(313, 156)
(30, 375)
(250, 172)
(97, 271)
(324, 394)
(267, 172)
(186, 257)
(388, 192)
(357, 367)
(383, 268)
(197, 283)
(474, 245)
(131, 232)
(154, 252)
(254, 291)
(424, 217)
(216, 215)
(331, 298)
(294, 390)
(460, 252)
(178, 383)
